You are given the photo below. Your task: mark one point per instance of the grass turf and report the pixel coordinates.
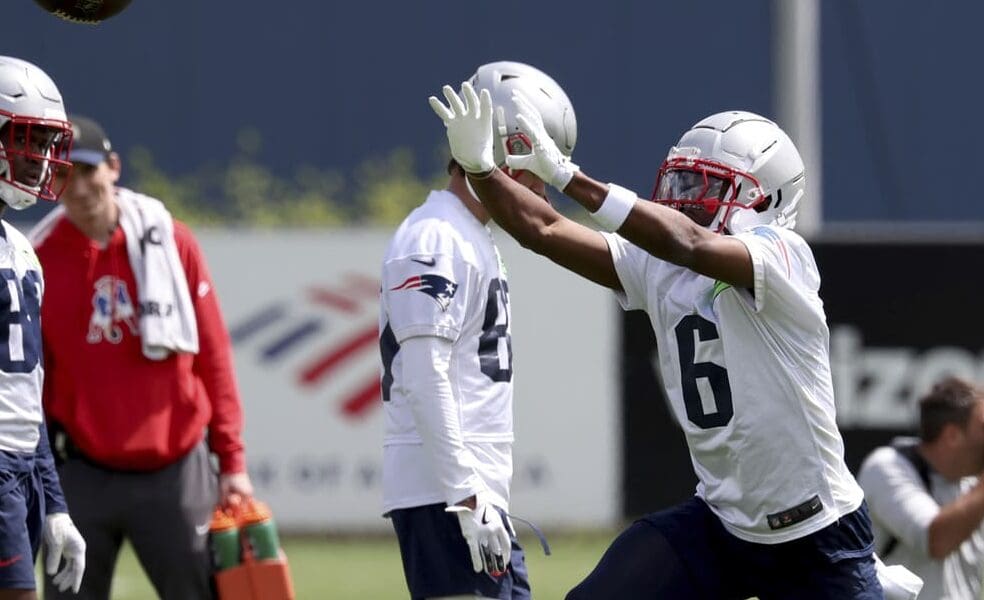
(369, 568)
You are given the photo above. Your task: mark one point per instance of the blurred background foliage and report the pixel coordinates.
(379, 191)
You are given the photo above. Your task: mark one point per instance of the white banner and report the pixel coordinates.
(302, 309)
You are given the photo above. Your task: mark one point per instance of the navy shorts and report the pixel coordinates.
(436, 560)
(21, 520)
(685, 552)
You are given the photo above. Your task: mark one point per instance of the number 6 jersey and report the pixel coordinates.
(20, 342)
(747, 375)
(442, 276)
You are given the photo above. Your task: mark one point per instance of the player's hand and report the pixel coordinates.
(234, 488)
(62, 539)
(546, 161)
(469, 124)
(487, 536)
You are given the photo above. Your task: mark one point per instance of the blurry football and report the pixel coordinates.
(84, 11)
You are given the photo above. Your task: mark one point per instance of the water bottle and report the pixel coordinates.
(224, 540)
(257, 525)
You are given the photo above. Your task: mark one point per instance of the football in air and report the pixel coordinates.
(89, 12)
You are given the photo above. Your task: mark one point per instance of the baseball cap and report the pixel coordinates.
(89, 145)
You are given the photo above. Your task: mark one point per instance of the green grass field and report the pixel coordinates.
(369, 568)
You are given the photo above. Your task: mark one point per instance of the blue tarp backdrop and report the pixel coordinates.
(331, 84)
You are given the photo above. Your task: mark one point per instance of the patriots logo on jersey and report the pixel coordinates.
(437, 287)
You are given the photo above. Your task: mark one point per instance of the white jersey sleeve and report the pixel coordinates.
(897, 498)
(427, 295)
(435, 412)
(785, 272)
(630, 266)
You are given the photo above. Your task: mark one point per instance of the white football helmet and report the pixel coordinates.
(733, 171)
(35, 134)
(500, 79)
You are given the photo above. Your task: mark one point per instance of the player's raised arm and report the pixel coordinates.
(523, 214)
(662, 231)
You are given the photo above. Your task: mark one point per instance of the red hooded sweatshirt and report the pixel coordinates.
(118, 407)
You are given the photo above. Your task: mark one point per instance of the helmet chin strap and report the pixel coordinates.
(471, 190)
(15, 198)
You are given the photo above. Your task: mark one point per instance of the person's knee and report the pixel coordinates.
(640, 563)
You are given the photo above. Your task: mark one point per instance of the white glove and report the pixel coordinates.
(469, 126)
(487, 536)
(546, 161)
(898, 582)
(61, 538)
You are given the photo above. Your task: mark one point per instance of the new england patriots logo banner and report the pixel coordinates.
(439, 288)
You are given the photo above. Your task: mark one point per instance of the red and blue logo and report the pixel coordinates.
(332, 331)
(437, 287)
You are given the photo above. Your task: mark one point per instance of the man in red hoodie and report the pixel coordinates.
(140, 388)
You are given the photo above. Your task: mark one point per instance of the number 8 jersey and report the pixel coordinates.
(21, 373)
(442, 276)
(747, 375)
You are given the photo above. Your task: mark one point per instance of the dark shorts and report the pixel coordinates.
(163, 514)
(21, 520)
(685, 552)
(437, 563)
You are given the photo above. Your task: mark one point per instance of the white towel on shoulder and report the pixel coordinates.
(167, 315)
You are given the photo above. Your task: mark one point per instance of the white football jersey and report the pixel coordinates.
(748, 377)
(21, 373)
(442, 276)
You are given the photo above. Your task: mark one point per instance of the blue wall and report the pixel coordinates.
(331, 84)
(903, 95)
